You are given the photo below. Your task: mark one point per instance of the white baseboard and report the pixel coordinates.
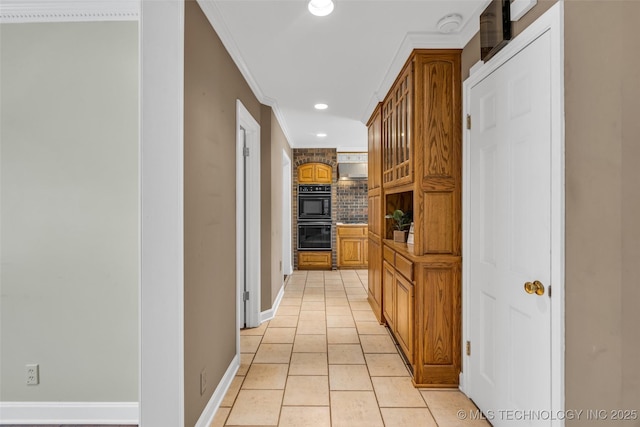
(270, 314)
(69, 412)
(206, 418)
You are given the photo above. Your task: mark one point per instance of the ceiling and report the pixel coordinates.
(348, 60)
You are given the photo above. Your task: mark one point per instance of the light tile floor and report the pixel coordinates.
(325, 361)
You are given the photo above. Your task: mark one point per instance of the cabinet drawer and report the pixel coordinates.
(404, 266)
(389, 255)
(314, 260)
(352, 231)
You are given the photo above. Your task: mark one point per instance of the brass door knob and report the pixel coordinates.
(534, 288)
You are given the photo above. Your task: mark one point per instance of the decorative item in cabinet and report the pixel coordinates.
(401, 222)
(315, 173)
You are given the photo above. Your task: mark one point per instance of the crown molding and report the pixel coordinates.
(213, 14)
(415, 40)
(31, 11)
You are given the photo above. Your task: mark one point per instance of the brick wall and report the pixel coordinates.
(301, 156)
(352, 202)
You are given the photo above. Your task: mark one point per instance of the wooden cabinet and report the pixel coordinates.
(352, 244)
(312, 260)
(398, 301)
(375, 150)
(415, 136)
(375, 276)
(388, 287)
(422, 147)
(375, 213)
(315, 173)
(422, 306)
(438, 322)
(397, 162)
(404, 320)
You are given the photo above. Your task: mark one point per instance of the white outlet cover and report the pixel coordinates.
(32, 372)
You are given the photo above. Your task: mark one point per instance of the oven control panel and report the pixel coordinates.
(314, 189)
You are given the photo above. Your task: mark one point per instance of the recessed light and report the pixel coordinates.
(321, 106)
(321, 135)
(320, 7)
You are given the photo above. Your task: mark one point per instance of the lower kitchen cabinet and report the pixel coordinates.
(314, 260)
(375, 277)
(388, 300)
(421, 304)
(398, 306)
(352, 246)
(404, 315)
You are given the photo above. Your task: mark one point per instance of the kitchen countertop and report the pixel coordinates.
(352, 224)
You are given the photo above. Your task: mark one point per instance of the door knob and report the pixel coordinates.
(534, 288)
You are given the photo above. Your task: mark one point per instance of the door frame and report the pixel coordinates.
(245, 120)
(551, 21)
(287, 257)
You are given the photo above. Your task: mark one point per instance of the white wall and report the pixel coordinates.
(69, 211)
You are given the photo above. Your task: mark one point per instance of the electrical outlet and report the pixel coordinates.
(33, 374)
(203, 381)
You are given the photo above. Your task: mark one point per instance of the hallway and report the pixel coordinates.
(325, 361)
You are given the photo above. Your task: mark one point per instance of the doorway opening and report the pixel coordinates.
(247, 220)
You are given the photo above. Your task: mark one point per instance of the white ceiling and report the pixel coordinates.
(348, 60)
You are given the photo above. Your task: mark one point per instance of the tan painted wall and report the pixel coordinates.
(273, 141)
(602, 106)
(278, 144)
(212, 85)
(602, 74)
(265, 202)
(69, 211)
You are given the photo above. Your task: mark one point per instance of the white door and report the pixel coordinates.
(510, 239)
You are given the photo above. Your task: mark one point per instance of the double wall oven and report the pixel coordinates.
(314, 217)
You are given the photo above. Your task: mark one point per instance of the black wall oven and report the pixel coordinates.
(314, 203)
(314, 236)
(314, 217)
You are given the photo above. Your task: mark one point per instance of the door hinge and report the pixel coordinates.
(245, 296)
(549, 291)
(468, 121)
(245, 151)
(468, 348)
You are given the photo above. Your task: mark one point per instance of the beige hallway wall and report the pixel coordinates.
(212, 85)
(602, 71)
